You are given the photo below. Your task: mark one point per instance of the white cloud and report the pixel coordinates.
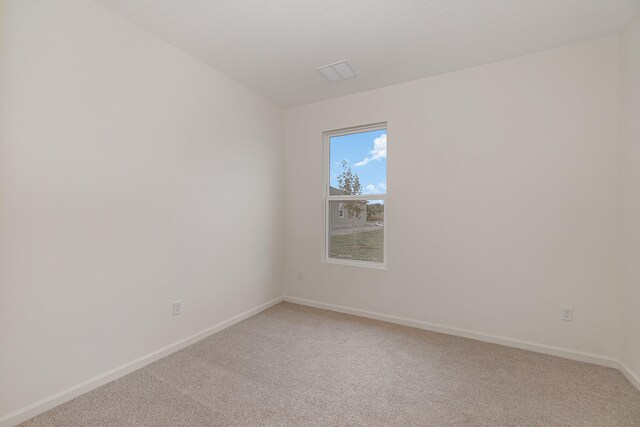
(379, 150)
(375, 189)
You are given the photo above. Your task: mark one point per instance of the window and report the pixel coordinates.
(356, 192)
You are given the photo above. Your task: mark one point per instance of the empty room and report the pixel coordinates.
(319, 213)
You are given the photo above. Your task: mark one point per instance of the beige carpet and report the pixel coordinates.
(294, 365)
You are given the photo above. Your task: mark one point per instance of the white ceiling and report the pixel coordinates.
(274, 46)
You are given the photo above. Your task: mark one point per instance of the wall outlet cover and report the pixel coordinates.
(177, 307)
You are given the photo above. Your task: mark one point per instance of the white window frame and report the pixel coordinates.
(328, 198)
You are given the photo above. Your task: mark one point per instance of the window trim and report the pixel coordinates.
(326, 137)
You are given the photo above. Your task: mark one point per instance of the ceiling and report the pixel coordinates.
(274, 46)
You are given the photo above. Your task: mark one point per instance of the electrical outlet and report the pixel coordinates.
(300, 276)
(567, 314)
(177, 307)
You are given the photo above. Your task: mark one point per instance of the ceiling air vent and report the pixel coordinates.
(336, 72)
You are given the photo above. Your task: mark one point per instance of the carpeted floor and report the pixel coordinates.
(294, 365)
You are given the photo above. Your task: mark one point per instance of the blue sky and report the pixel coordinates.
(366, 153)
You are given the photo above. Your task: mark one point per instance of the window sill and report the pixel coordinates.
(365, 264)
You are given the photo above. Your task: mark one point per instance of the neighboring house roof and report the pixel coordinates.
(333, 191)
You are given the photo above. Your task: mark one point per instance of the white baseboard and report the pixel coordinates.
(43, 405)
(47, 403)
(495, 339)
(629, 374)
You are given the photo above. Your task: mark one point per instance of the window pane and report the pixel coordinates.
(358, 163)
(356, 230)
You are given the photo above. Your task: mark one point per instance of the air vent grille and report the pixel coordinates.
(336, 72)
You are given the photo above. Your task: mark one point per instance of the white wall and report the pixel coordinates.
(131, 175)
(630, 207)
(502, 204)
